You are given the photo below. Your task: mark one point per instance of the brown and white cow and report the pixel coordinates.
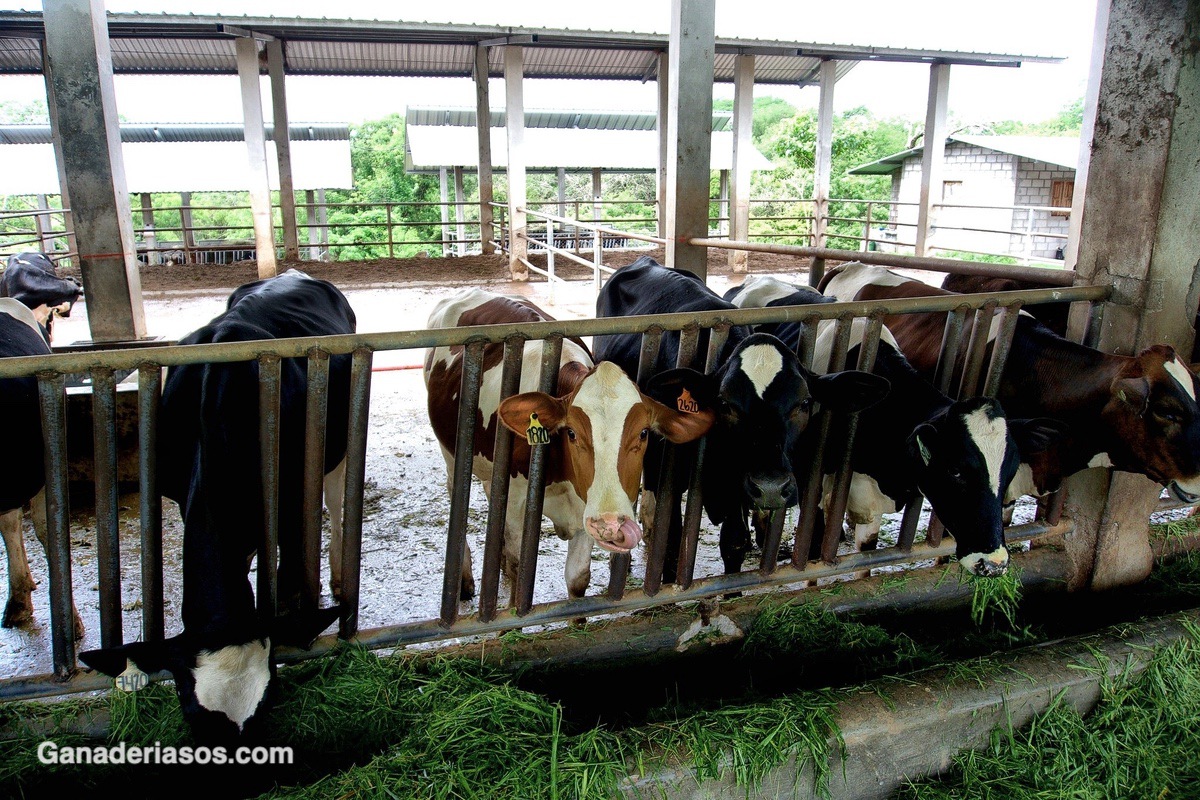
(1135, 413)
(596, 433)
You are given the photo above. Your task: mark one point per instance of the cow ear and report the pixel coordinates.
(921, 441)
(149, 657)
(301, 628)
(852, 390)
(678, 388)
(517, 412)
(680, 426)
(1133, 392)
(1036, 435)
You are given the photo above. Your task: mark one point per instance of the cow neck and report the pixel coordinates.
(1047, 374)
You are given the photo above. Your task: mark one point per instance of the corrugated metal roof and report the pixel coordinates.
(1062, 151)
(565, 118)
(190, 44)
(198, 132)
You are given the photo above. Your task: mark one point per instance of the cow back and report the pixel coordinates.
(22, 471)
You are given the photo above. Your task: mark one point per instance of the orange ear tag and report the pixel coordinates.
(686, 403)
(536, 433)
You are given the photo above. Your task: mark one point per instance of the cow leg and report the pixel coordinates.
(335, 497)
(735, 542)
(579, 562)
(20, 582)
(466, 580)
(37, 510)
(646, 510)
(866, 537)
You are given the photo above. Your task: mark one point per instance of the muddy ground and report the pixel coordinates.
(406, 504)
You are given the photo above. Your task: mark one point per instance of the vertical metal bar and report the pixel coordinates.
(933, 537)
(316, 413)
(52, 394)
(489, 583)
(770, 548)
(667, 501)
(976, 351)
(908, 524)
(108, 535)
(532, 530)
(806, 345)
(841, 344)
(460, 496)
(811, 499)
(150, 502)
(956, 320)
(356, 471)
(269, 369)
(689, 345)
(1001, 348)
(1054, 506)
(1095, 325)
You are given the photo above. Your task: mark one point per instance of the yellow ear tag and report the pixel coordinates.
(686, 403)
(536, 433)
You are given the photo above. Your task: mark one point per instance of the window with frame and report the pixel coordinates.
(1062, 194)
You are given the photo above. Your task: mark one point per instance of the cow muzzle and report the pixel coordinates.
(617, 533)
(768, 493)
(1184, 494)
(986, 565)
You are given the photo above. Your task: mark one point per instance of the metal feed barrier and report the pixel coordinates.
(967, 312)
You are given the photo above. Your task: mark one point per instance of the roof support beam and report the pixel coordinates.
(483, 128)
(689, 132)
(79, 59)
(743, 135)
(256, 153)
(663, 150)
(822, 166)
(56, 138)
(934, 151)
(514, 113)
(283, 150)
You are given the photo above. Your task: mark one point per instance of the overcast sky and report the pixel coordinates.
(1032, 92)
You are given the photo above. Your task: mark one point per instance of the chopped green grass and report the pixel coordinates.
(996, 598)
(1142, 740)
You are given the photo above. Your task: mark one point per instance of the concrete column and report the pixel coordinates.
(662, 173)
(459, 219)
(934, 151)
(689, 131)
(597, 184)
(743, 142)
(310, 221)
(189, 233)
(444, 193)
(80, 67)
(256, 153)
(483, 128)
(283, 151)
(514, 106)
(1090, 100)
(323, 221)
(152, 254)
(562, 191)
(41, 223)
(822, 167)
(1138, 235)
(56, 141)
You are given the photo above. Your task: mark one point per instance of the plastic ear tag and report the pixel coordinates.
(536, 433)
(131, 679)
(686, 403)
(924, 451)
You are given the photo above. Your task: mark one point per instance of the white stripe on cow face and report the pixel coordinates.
(1182, 375)
(991, 437)
(761, 363)
(233, 680)
(606, 396)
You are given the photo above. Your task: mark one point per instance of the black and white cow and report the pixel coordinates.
(595, 434)
(961, 455)
(209, 462)
(763, 395)
(31, 279)
(22, 470)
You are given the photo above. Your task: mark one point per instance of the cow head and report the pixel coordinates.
(964, 459)
(765, 398)
(1153, 410)
(602, 428)
(225, 680)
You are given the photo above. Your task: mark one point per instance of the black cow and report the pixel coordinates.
(962, 455)
(764, 396)
(209, 462)
(23, 470)
(31, 279)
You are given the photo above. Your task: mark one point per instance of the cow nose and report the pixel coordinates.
(770, 491)
(987, 565)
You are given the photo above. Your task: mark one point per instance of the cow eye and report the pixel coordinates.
(571, 434)
(644, 434)
(1169, 416)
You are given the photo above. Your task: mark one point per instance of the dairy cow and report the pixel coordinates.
(1135, 413)
(1053, 315)
(209, 463)
(32, 280)
(961, 455)
(22, 471)
(763, 395)
(595, 432)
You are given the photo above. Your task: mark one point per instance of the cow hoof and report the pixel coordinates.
(18, 613)
(467, 589)
(78, 625)
(335, 590)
